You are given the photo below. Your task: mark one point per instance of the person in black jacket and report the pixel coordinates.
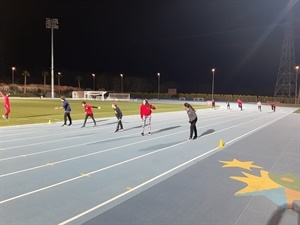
(119, 116)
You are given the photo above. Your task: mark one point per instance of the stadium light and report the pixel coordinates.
(213, 84)
(121, 75)
(52, 24)
(296, 91)
(158, 85)
(93, 81)
(13, 74)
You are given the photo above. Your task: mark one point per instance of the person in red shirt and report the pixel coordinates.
(6, 106)
(273, 106)
(145, 113)
(240, 104)
(88, 112)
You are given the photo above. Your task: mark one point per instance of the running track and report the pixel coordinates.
(71, 175)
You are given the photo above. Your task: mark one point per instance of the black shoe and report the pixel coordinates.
(70, 124)
(194, 137)
(95, 125)
(64, 125)
(116, 130)
(82, 126)
(142, 133)
(149, 133)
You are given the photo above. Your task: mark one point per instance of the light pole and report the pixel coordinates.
(13, 75)
(213, 84)
(52, 24)
(121, 75)
(93, 81)
(296, 91)
(158, 85)
(58, 80)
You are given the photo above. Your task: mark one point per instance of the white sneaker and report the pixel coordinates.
(4, 117)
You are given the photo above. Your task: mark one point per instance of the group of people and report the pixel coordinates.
(88, 113)
(145, 113)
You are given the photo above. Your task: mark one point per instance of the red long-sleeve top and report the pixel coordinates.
(146, 110)
(6, 102)
(88, 109)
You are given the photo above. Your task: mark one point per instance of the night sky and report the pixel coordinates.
(181, 39)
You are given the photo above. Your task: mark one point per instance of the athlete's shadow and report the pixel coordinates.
(278, 214)
(165, 129)
(207, 132)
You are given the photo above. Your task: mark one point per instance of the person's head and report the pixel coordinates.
(83, 103)
(62, 98)
(7, 94)
(145, 101)
(188, 106)
(114, 105)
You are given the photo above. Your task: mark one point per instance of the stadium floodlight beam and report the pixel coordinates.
(296, 91)
(52, 24)
(213, 84)
(121, 75)
(13, 75)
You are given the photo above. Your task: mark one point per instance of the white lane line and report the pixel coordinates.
(101, 128)
(93, 172)
(161, 175)
(135, 188)
(127, 161)
(102, 151)
(46, 142)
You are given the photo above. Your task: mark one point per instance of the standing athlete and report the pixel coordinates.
(6, 106)
(88, 113)
(145, 113)
(119, 116)
(66, 106)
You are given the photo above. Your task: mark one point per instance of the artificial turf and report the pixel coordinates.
(33, 111)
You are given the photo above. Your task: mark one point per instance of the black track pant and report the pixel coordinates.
(67, 115)
(193, 128)
(89, 115)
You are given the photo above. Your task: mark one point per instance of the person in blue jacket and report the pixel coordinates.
(66, 106)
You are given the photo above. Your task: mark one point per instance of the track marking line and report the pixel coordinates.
(106, 150)
(133, 159)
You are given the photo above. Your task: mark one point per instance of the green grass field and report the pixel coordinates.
(32, 111)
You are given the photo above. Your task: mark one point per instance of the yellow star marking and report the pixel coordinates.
(129, 188)
(236, 163)
(85, 174)
(256, 183)
(23, 155)
(50, 164)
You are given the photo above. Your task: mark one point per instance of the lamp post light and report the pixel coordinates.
(121, 75)
(213, 84)
(93, 81)
(52, 24)
(296, 90)
(158, 85)
(13, 75)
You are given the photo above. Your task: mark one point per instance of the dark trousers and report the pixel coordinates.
(119, 124)
(67, 115)
(193, 128)
(89, 115)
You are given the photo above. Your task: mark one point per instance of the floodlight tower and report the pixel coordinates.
(286, 78)
(52, 24)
